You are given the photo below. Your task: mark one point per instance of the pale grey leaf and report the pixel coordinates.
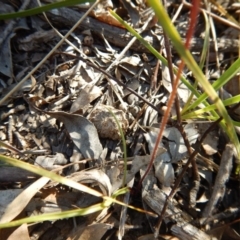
(19, 202)
(83, 133)
(176, 143)
(94, 176)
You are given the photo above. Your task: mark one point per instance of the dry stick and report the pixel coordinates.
(223, 11)
(194, 14)
(120, 37)
(196, 177)
(192, 156)
(154, 76)
(193, 20)
(220, 19)
(218, 219)
(177, 105)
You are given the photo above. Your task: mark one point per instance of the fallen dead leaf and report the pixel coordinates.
(20, 202)
(21, 233)
(83, 133)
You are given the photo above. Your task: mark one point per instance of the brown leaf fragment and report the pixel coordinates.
(94, 231)
(83, 133)
(19, 202)
(21, 233)
(102, 14)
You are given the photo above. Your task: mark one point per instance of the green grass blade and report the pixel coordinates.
(124, 147)
(107, 201)
(199, 112)
(153, 51)
(41, 9)
(225, 77)
(185, 54)
(227, 124)
(206, 41)
(55, 216)
(51, 175)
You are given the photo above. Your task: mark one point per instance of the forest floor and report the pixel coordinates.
(60, 119)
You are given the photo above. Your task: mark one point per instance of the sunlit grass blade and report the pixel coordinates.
(53, 176)
(55, 216)
(154, 51)
(124, 146)
(227, 124)
(220, 82)
(185, 54)
(107, 201)
(205, 42)
(200, 112)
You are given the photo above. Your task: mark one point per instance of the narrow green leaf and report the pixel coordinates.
(124, 146)
(208, 109)
(55, 216)
(51, 175)
(41, 9)
(185, 54)
(225, 77)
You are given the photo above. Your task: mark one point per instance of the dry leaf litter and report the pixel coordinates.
(63, 119)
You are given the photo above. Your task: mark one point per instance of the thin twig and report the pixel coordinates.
(193, 20)
(180, 176)
(220, 19)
